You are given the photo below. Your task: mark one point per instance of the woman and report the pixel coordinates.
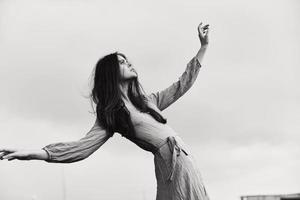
(123, 107)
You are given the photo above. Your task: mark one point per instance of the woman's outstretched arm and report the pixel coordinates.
(62, 152)
(162, 99)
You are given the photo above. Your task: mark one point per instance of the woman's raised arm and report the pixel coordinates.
(63, 152)
(162, 99)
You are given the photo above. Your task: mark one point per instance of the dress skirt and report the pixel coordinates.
(177, 174)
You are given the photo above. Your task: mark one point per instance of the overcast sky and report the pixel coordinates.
(239, 118)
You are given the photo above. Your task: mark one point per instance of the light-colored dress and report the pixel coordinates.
(177, 175)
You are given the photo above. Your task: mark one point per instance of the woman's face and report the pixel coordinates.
(126, 69)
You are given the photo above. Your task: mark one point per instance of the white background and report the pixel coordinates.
(239, 118)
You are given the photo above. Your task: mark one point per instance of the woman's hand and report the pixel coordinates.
(11, 154)
(203, 34)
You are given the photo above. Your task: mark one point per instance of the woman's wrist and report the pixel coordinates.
(204, 46)
(201, 52)
(38, 154)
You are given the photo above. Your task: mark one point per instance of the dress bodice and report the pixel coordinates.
(149, 132)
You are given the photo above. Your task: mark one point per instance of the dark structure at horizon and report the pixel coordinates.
(272, 197)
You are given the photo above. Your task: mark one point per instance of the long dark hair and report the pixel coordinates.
(111, 111)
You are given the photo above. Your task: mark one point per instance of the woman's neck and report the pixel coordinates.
(124, 90)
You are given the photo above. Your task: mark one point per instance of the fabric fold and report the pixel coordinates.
(176, 149)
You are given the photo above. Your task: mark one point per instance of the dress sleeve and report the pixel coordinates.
(67, 152)
(162, 99)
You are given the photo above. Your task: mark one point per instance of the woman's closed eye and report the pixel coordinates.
(125, 62)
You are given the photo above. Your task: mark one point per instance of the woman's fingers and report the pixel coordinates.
(206, 27)
(202, 29)
(6, 156)
(200, 24)
(20, 155)
(203, 33)
(7, 149)
(9, 156)
(4, 153)
(199, 27)
(207, 30)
